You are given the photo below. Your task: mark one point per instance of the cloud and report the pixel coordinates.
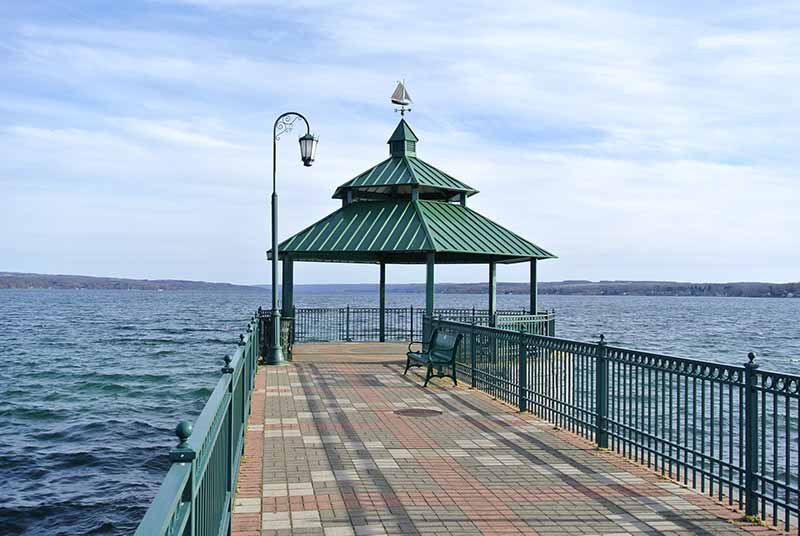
(636, 142)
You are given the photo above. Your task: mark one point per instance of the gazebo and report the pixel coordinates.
(405, 211)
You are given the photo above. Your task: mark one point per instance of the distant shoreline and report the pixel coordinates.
(16, 280)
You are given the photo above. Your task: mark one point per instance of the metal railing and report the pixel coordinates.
(196, 496)
(731, 432)
(363, 324)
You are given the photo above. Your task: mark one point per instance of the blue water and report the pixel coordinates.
(93, 382)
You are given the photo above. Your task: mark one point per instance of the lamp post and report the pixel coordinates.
(308, 150)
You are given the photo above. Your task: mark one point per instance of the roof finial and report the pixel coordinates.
(401, 98)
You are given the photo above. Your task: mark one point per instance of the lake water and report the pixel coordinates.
(92, 383)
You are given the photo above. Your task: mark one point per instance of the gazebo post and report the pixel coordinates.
(287, 296)
(534, 304)
(382, 303)
(492, 292)
(287, 290)
(429, 291)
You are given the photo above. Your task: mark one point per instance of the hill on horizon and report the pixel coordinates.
(19, 280)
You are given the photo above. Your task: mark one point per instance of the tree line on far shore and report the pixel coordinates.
(575, 287)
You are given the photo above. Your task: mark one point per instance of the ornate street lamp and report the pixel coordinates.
(308, 151)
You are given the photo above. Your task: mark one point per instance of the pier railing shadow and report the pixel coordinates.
(729, 431)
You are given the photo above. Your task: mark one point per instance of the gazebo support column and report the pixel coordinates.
(429, 291)
(287, 289)
(492, 292)
(534, 304)
(382, 303)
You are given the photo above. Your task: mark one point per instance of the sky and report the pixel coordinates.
(635, 140)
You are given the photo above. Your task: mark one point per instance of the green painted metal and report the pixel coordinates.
(430, 291)
(287, 288)
(430, 288)
(400, 231)
(197, 494)
(402, 210)
(601, 394)
(457, 229)
(285, 331)
(437, 355)
(751, 445)
(382, 302)
(403, 141)
(731, 432)
(402, 132)
(534, 290)
(397, 175)
(522, 373)
(492, 293)
(362, 324)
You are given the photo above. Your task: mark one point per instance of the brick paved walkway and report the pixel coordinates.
(331, 450)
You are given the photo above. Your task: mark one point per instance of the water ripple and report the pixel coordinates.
(90, 392)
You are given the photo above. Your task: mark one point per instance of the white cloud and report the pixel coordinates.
(634, 144)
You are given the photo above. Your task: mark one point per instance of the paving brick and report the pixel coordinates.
(326, 453)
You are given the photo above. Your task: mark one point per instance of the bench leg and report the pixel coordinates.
(408, 364)
(455, 381)
(428, 376)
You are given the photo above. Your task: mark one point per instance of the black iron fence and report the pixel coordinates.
(732, 432)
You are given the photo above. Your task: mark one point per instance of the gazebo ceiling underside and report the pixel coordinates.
(404, 232)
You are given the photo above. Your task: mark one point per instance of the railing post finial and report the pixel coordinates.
(602, 339)
(241, 339)
(227, 369)
(183, 452)
(751, 357)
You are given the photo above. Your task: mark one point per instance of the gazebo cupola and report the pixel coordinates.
(403, 141)
(406, 211)
(403, 175)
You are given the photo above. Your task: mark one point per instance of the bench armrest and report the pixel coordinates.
(413, 343)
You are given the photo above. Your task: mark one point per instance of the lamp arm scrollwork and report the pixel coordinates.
(285, 123)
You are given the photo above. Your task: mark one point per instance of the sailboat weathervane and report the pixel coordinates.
(401, 98)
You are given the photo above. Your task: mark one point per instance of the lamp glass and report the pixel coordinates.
(308, 148)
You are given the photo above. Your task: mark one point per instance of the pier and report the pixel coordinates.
(542, 435)
(341, 443)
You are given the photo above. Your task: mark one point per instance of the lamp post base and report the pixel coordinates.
(274, 354)
(274, 357)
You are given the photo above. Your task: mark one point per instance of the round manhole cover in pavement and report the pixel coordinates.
(418, 412)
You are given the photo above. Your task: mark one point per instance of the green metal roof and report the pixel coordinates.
(403, 132)
(403, 171)
(404, 231)
(397, 175)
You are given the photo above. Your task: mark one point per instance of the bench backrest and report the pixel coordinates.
(444, 344)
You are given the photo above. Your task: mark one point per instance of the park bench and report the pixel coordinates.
(441, 355)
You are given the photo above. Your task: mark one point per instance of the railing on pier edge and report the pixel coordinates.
(364, 324)
(196, 496)
(732, 432)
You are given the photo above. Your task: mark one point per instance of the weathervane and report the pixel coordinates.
(401, 98)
